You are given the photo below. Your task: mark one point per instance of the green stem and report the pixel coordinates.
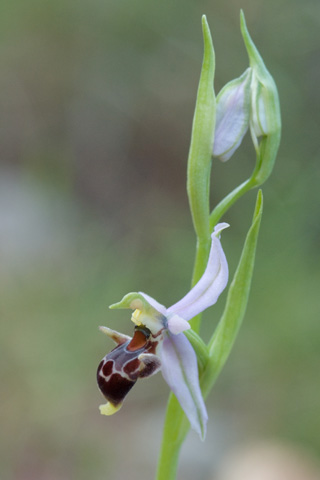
(175, 430)
(229, 200)
(266, 153)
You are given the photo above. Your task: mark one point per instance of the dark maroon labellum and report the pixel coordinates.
(119, 370)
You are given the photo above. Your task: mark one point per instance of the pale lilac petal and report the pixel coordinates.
(161, 308)
(232, 116)
(180, 371)
(212, 283)
(224, 157)
(177, 324)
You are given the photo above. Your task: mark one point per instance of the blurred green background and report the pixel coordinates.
(96, 107)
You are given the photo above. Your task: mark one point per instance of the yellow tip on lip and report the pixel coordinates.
(109, 409)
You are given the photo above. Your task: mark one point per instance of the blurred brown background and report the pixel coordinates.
(96, 105)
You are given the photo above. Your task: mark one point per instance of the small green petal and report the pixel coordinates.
(144, 313)
(134, 301)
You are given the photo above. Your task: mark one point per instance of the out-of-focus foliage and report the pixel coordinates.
(96, 105)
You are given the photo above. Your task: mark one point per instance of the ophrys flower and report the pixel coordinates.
(158, 342)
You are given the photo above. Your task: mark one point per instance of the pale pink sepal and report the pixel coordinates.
(212, 283)
(232, 116)
(180, 371)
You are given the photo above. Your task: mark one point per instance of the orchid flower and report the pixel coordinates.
(158, 342)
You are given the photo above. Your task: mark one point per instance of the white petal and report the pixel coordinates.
(177, 324)
(212, 283)
(180, 371)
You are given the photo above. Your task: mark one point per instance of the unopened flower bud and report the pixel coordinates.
(232, 116)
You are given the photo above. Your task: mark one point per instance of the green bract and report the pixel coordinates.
(199, 162)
